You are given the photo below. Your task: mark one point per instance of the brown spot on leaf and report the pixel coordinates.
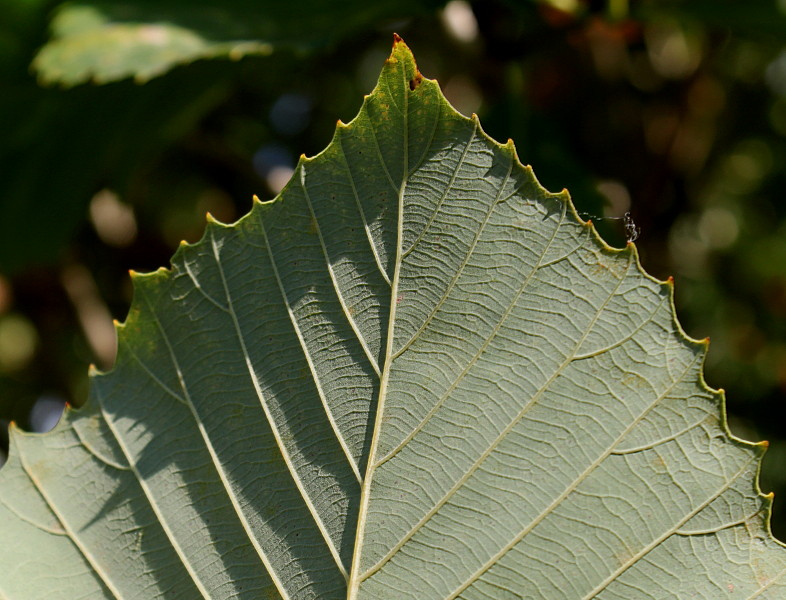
(415, 81)
(634, 380)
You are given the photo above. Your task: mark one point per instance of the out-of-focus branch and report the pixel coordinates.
(92, 312)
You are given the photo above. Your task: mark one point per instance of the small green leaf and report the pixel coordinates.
(109, 40)
(88, 45)
(415, 374)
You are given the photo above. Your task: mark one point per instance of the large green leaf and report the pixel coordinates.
(415, 374)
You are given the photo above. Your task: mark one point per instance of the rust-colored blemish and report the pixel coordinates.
(634, 380)
(415, 81)
(600, 268)
(397, 39)
(624, 556)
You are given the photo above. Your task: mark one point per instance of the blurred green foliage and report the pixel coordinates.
(109, 40)
(672, 110)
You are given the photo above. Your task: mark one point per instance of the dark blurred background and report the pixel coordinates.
(122, 122)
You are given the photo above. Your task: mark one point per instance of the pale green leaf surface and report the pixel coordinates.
(415, 374)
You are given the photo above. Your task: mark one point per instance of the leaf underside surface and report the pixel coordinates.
(414, 374)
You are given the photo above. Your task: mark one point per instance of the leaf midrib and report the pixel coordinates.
(355, 575)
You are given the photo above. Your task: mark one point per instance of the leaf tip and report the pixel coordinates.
(397, 39)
